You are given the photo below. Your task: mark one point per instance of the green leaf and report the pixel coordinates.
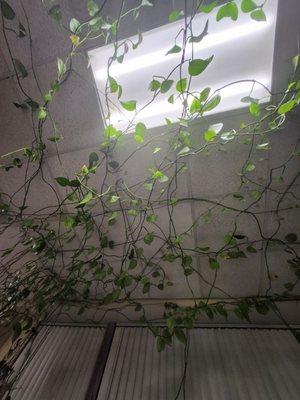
(146, 287)
(48, 96)
(129, 105)
(174, 49)
(104, 242)
(74, 25)
(6, 10)
(213, 263)
(92, 7)
(160, 344)
(4, 208)
(210, 134)
(93, 159)
(197, 66)
(113, 84)
(296, 61)
(140, 39)
(17, 162)
(249, 99)
(154, 85)
(87, 198)
(140, 130)
(238, 195)
(291, 237)
(27, 152)
(42, 113)
(20, 68)
(139, 138)
(229, 10)
(112, 218)
(254, 109)
(84, 170)
(99, 274)
(111, 132)
(132, 212)
(262, 308)
(38, 246)
(263, 146)
(22, 31)
(70, 222)
(180, 334)
(132, 264)
(204, 94)
(61, 67)
(251, 249)
(151, 218)
(289, 286)
(62, 181)
(114, 199)
(195, 106)
(148, 186)
(148, 238)
(166, 85)
(258, 15)
(236, 254)
(187, 261)
(228, 135)
(96, 23)
(169, 123)
(75, 40)
(175, 15)
(55, 86)
(229, 239)
(113, 164)
(170, 324)
(159, 176)
(197, 39)
(211, 104)
(249, 167)
(181, 85)
(170, 257)
(55, 12)
(248, 6)
(146, 3)
(209, 7)
(255, 194)
(171, 99)
(286, 107)
(222, 310)
(183, 151)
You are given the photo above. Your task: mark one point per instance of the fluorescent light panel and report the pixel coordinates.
(243, 50)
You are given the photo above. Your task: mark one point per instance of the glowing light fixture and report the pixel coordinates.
(210, 41)
(243, 51)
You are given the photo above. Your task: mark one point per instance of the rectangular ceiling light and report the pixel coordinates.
(242, 49)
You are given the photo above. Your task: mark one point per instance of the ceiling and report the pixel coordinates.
(76, 111)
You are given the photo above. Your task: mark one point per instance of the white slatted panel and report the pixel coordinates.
(59, 364)
(224, 364)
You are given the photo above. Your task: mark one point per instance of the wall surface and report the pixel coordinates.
(222, 364)
(58, 364)
(77, 113)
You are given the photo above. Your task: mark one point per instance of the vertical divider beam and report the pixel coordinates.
(100, 364)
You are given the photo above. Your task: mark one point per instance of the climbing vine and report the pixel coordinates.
(105, 242)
